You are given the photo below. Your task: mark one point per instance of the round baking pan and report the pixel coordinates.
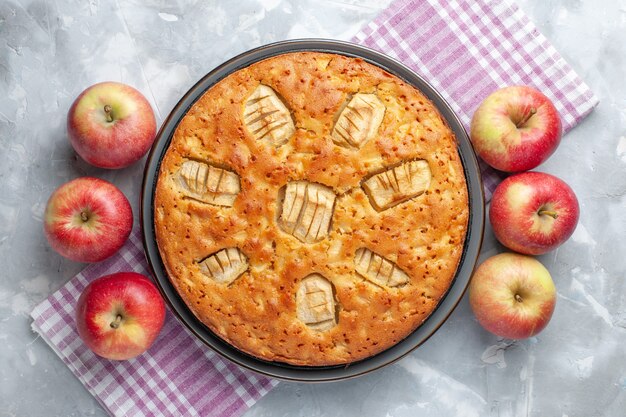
(284, 371)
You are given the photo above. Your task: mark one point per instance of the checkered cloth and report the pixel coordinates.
(177, 376)
(466, 49)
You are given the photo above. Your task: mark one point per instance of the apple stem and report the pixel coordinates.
(115, 324)
(526, 117)
(550, 213)
(107, 112)
(518, 298)
(84, 216)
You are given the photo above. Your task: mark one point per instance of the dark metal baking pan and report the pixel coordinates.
(469, 256)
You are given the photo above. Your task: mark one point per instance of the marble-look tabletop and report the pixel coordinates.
(52, 50)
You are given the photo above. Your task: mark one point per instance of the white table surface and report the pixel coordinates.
(52, 50)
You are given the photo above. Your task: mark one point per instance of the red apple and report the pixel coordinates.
(512, 295)
(119, 316)
(87, 219)
(533, 212)
(111, 125)
(515, 129)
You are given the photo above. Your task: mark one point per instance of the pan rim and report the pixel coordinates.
(446, 305)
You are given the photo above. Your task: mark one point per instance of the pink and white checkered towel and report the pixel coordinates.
(466, 49)
(177, 376)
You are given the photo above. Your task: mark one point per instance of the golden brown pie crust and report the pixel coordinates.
(422, 236)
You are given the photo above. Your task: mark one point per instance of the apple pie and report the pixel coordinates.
(311, 209)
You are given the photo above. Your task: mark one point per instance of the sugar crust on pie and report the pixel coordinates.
(311, 209)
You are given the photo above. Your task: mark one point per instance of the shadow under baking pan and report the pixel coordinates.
(447, 304)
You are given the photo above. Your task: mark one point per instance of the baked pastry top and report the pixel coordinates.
(311, 209)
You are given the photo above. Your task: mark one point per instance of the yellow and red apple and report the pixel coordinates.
(533, 212)
(512, 295)
(515, 129)
(87, 219)
(111, 125)
(119, 316)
